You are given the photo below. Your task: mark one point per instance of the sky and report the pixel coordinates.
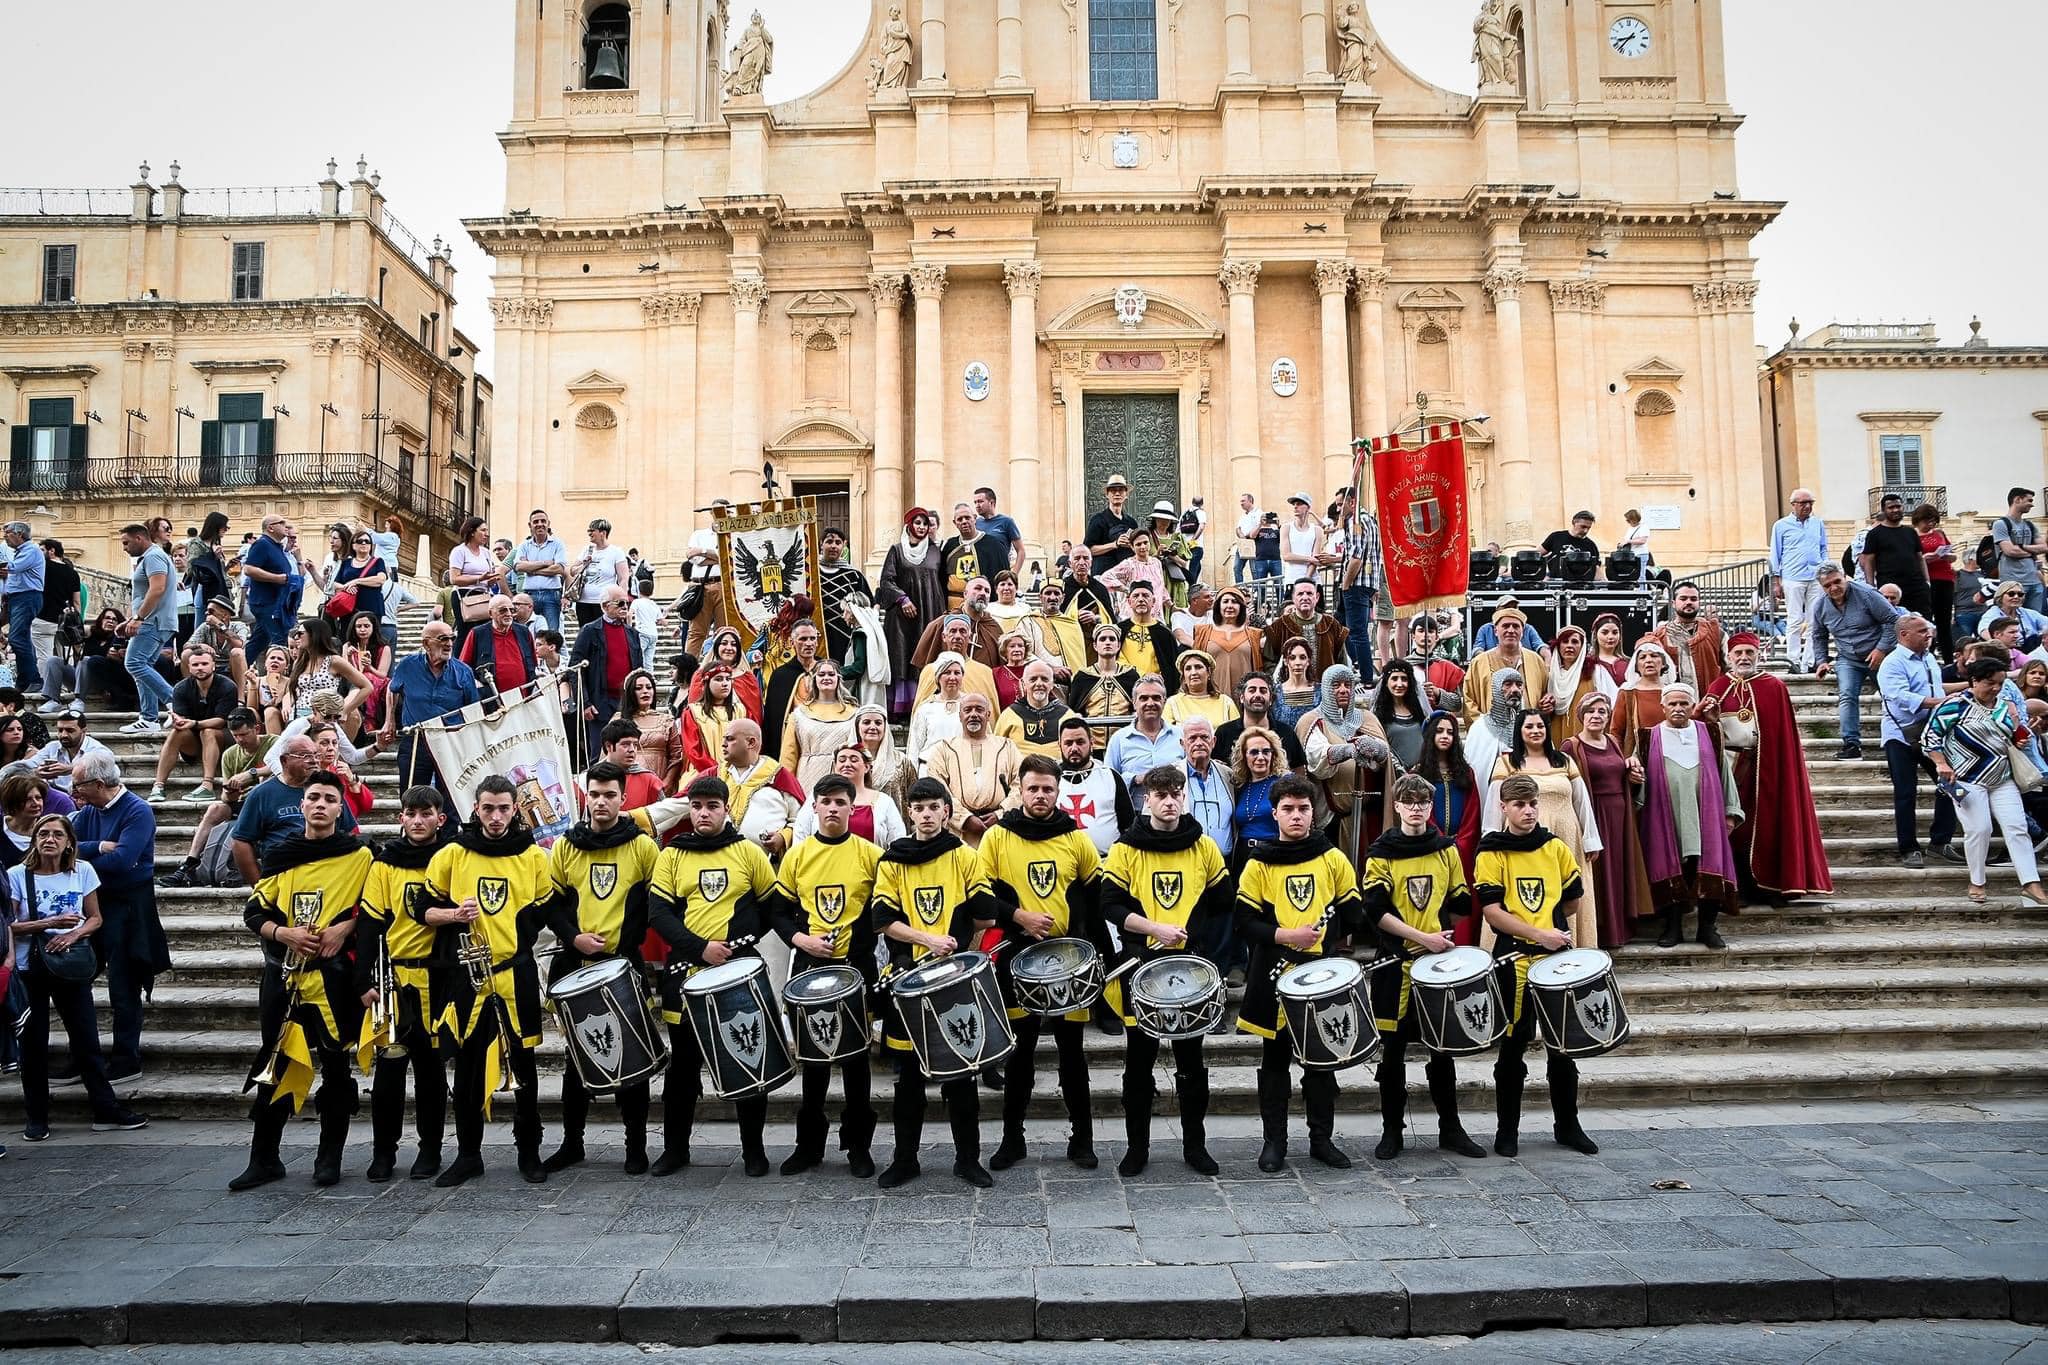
(1907, 138)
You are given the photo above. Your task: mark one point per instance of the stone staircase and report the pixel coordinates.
(1897, 987)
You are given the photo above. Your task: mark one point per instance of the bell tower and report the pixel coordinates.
(1621, 56)
(618, 57)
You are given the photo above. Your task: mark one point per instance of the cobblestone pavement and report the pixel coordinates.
(1822, 1343)
(108, 1242)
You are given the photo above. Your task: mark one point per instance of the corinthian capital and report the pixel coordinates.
(1238, 276)
(1370, 280)
(520, 311)
(928, 281)
(885, 288)
(1578, 296)
(1505, 282)
(1332, 277)
(749, 292)
(1021, 278)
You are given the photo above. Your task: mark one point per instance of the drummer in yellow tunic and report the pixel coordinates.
(1528, 886)
(820, 908)
(600, 869)
(1044, 873)
(1297, 899)
(1415, 891)
(497, 879)
(305, 904)
(1163, 881)
(391, 907)
(710, 887)
(930, 898)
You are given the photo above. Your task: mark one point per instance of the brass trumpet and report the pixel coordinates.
(302, 918)
(474, 952)
(273, 1063)
(384, 1013)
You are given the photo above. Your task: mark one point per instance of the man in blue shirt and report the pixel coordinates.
(1864, 628)
(268, 570)
(1148, 742)
(152, 627)
(1909, 684)
(270, 812)
(24, 577)
(1799, 546)
(116, 831)
(989, 521)
(430, 683)
(545, 561)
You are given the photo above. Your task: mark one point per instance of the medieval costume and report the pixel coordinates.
(1778, 851)
(980, 773)
(1347, 753)
(1687, 796)
(1617, 882)
(1696, 648)
(910, 578)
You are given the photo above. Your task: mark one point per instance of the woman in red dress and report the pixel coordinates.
(1621, 891)
(724, 646)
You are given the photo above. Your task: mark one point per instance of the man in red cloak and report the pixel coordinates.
(1778, 849)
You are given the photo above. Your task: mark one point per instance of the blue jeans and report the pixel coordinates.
(1357, 608)
(1851, 673)
(1265, 568)
(22, 606)
(152, 693)
(265, 630)
(547, 604)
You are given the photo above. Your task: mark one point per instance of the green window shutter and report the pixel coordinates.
(209, 454)
(18, 457)
(266, 449)
(74, 473)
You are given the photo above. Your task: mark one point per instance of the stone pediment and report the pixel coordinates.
(595, 384)
(1166, 319)
(1432, 298)
(820, 304)
(820, 433)
(1655, 370)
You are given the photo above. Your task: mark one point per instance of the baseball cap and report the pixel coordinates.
(1301, 498)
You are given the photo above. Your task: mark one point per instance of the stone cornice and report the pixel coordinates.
(23, 373)
(1944, 358)
(1282, 193)
(751, 209)
(210, 368)
(955, 195)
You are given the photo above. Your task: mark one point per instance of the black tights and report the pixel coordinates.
(421, 1055)
(856, 1114)
(963, 1109)
(469, 1088)
(684, 1086)
(1023, 1075)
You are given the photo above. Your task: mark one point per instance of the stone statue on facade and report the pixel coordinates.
(891, 69)
(1358, 47)
(753, 57)
(1495, 47)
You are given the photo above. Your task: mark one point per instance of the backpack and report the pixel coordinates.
(1190, 523)
(217, 859)
(1987, 556)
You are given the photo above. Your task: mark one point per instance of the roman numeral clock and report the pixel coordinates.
(1629, 37)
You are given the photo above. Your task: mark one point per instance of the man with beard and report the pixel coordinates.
(498, 879)
(706, 903)
(1032, 722)
(820, 909)
(1527, 666)
(1693, 636)
(1297, 899)
(1087, 600)
(1688, 792)
(1162, 884)
(392, 908)
(954, 633)
(1148, 644)
(1255, 712)
(977, 767)
(1055, 635)
(930, 900)
(1324, 634)
(1493, 734)
(789, 684)
(600, 869)
(1092, 794)
(837, 581)
(1043, 873)
(1891, 554)
(1780, 856)
(305, 904)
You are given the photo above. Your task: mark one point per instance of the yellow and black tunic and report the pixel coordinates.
(707, 888)
(1034, 729)
(600, 886)
(307, 884)
(1289, 884)
(935, 886)
(508, 878)
(1048, 867)
(1171, 876)
(391, 907)
(1420, 881)
(823, 888)
(1533, 877)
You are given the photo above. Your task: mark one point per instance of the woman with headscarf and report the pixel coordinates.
(911, 593)
(727, 646)
(1639, 704)
(875, 816)
(705, 719)
(1231, 641)
(1347, 753)
(889, 770)
(938, 716)
(1563, 806)
(1573, 677)
(1620, 887)
(1493, 734)
(1199, 695)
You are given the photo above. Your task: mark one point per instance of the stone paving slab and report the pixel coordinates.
(109, 1243)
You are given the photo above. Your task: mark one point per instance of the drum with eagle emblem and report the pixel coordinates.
(739, 1030)
(1578, 1006)
(1459, 1008)
(1177, 996)
(1329, 1018)
(828, 1014)
(612, 1038)
(1056, 976)
(953, 1014)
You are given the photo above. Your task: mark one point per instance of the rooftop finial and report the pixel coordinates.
(143, 175)
(331, 167)
(362, 166)
(174, 173)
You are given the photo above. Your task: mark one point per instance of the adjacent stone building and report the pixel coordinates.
(1031, 243)
(173, 350)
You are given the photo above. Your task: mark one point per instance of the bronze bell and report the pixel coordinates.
(604, 69)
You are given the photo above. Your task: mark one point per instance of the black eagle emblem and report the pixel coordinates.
(1301, 888)
(711, 882)
(773, 578)
(963, 1029)
(1043, 877)
(1529, 890)
(306, 907)
(1166, 888)
(831, 903)
(929, 902)
(1420, 889)
(604, 879)
(493, 894)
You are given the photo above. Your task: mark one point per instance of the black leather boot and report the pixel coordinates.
(1019, 1081)
(1674, 927)
(633, 1105)
(1137, 1126)
(1563, 1074)
(1081, 1114)
(1191, 1088)
(387, 1117)
(753, 1119)
(265, 1164)
(1443, 1093)
(1507, 1107)
(909, 1121)
(1708, 934)
(333, 1138)
(1273, 1088)
(1319, 1099)
(811, 1130)
(1393, 1082)
(856, 1139)
(963, 1109)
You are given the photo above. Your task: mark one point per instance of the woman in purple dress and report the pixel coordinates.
(1621, 889)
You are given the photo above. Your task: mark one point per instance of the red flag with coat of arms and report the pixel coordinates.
(1419, 481)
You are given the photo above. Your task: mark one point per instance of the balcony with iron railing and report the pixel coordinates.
(164, 476)
(1913, 494)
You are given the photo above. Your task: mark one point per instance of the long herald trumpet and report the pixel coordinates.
(473, 951)
(384, 1013)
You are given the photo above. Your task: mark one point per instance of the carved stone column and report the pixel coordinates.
(1333, 281)
(1752, 502)
(1009, 42)
(931, 45)
(1370, 284)
(749, 297)
(1315, 43)
(1503, 285)
(1237, 40)
(928, 284)
(1026, 486)
(885, 493)
(1240, 280)
(1581, 475)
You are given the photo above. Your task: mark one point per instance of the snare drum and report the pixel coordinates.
(828, 1014)
(738, 1028)
(1056, 976)
(1329, 1018)
(953, 1015)
(611, 1035)
(1177, 996)
(1457, 1001)
(1577, 1004)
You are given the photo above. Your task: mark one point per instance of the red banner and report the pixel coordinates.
(1419, 480)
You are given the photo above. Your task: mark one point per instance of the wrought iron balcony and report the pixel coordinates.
(332, 471)
(1914, 494)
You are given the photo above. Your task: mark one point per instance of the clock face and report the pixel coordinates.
(1629, 36)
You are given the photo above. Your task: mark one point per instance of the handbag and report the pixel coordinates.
(76, 964)
(476, 606)
(2025, 775)
(340, 605)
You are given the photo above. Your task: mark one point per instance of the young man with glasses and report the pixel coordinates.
(544, 561)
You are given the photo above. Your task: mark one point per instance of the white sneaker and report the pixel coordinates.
(50, 708)
(141, 725)
(156, 794)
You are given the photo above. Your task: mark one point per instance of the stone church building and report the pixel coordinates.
(1032, 243)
